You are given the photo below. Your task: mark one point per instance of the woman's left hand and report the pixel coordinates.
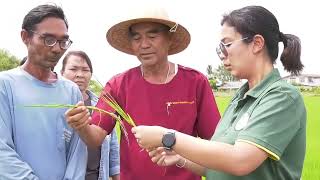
(163, 157)
(149, 137)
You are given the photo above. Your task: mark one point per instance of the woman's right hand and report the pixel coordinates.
(78, 117)
(163, 157)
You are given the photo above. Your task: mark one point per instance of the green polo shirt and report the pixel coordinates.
(271, 116)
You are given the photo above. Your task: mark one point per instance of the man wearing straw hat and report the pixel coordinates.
(158, 92)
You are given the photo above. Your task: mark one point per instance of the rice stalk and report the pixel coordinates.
(75, 106)
(117, 118)
(107, 98)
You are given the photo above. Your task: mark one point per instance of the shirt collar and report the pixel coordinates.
(272, 77)
(244, 91)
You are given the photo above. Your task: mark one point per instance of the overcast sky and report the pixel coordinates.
(90, 20)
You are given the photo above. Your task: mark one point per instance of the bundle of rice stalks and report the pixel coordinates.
(107, 98)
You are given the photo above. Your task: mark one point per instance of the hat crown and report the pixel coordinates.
(118, 38)
(155, 13)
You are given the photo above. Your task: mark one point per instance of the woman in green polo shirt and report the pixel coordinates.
(262, 134)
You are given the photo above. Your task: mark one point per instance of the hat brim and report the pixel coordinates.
(118, 35)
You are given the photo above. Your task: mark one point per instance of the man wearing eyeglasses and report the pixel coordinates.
(37, 143)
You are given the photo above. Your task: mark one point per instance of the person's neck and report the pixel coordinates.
(41, 73)
(260, 71)
(158, 73)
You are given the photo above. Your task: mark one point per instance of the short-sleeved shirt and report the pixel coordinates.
(272, 117)
(185, 104)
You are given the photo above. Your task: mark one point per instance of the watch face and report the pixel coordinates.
(169, 140)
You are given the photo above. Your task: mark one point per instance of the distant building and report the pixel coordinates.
(232, 85)
(311, 80)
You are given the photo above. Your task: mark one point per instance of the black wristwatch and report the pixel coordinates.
(169, 140)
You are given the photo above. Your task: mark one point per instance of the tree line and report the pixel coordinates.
(218, 76)
(9, 61)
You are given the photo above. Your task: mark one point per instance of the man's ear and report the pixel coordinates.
(170, 39)
(258, 43)
(25, 36)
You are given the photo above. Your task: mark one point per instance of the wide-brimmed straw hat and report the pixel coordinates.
(118, 35)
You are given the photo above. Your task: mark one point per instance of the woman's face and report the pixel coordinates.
(235, 54)
(78, 71)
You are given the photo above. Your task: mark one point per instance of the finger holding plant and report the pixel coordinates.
(149, 137)
(78, 117)
(163, 157)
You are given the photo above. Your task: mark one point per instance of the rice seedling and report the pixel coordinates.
(74, 106)
(107, 98)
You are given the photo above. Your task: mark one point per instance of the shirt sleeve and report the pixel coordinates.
(114, 159)
(100, 119)
(274, 122)
(208, 114)
(11, 165)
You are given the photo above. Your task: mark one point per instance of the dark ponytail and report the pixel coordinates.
(252, 20)
(290, 56)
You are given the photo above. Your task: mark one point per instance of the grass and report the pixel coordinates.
(312, 159)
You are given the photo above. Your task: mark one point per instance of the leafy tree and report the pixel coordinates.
(222, 74)
(210, 72)
(7, 61)
(213, 84)
(211, 79)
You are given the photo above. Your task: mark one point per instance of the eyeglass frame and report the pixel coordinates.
(55, 42)
(221, 49)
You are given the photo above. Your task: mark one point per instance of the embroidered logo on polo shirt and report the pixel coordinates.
(243, 121)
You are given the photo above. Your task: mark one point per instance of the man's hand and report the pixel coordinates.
(78, 117)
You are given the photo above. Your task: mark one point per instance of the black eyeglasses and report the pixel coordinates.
(50, 41)
(222, 48)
